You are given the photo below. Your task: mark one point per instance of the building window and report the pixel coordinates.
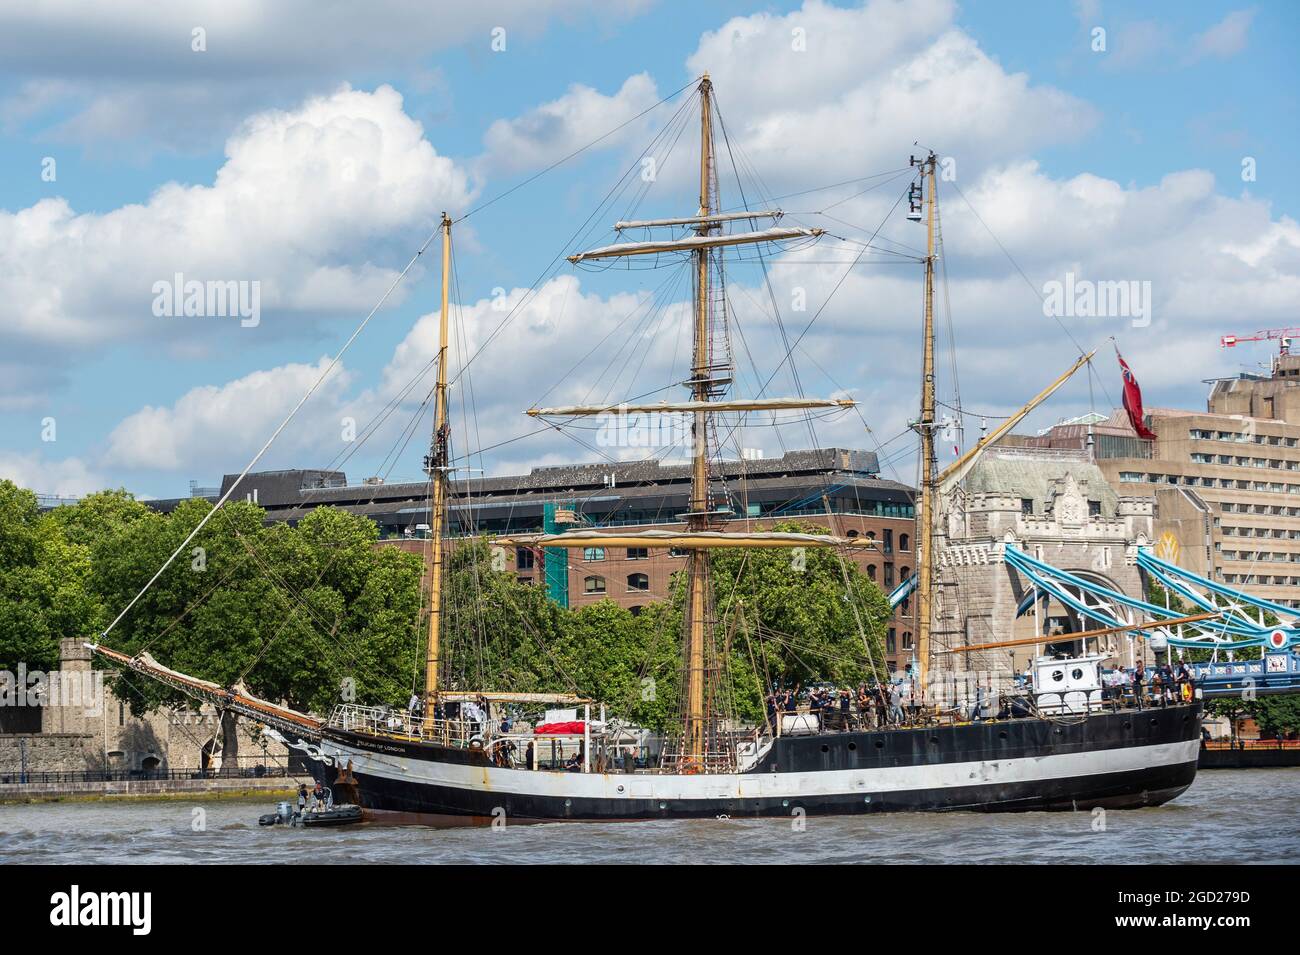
(905, 573)
(889, 541)
(889, 576)
(635, 611)
(525, 559)
(1027, 506)
(638, 582)
(891, 641)
(593, 554)
(1094, 508)
(677, 552)
(907, 640)
(871, 572)
(593, 585)
(638, 553)
(903, 541)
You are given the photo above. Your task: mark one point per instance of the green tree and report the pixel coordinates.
(45, 584)
(800, 615)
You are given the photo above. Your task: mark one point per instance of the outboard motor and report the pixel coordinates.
(285, 811)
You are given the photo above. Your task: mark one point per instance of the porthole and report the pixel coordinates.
(568, 803)
(1076, 674)
(934, 740)
(825, 748)
(1154, 721)
(1002, 734)
(663, 805)
(880, 744)
(1058, 675)
(1128, 726)
(620, 788)
(853, 747)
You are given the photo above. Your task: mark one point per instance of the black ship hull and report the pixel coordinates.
(1123, 760)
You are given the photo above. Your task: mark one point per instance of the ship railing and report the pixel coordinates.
(403, 724)
(716, 761)
(1251, 744)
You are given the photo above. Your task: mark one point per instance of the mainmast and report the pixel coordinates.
(925, 515)
(435, 465)
(709, 382)
(695, 728)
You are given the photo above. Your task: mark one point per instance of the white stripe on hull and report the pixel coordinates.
(616, 786)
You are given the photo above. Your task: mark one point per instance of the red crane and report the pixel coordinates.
(1282, 335)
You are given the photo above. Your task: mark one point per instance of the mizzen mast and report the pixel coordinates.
(435, 465)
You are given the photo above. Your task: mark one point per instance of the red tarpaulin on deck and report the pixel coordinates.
(570, 728)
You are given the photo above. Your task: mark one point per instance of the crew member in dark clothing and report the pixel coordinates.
(1139, 677)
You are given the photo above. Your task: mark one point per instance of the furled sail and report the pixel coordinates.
(739, 404)
(695, 243)
(681, 540)
(699, 220)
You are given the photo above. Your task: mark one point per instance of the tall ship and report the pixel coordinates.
(463, 754)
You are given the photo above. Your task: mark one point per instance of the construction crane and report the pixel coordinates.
(1281, 335)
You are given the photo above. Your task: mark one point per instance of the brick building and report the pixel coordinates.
(835, 488)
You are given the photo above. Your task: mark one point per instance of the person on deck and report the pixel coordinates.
(1139, 677)
(318, 798)
(302, 797)
(1185, 689)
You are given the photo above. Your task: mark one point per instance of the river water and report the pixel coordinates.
(1228, 816)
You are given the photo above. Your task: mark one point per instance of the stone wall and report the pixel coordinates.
(87, 724)
(54, 753)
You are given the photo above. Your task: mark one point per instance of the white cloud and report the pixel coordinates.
(66, 477)
(1226, 38)
(129, 69)
(820, 94)
(827, 92)
(303, 201)
(218, 428)
(553, 130)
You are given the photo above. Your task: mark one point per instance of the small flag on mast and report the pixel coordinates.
(1133, 400)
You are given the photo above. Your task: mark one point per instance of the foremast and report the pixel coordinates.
(435, 465)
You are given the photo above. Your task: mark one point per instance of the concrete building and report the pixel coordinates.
(1225, 482)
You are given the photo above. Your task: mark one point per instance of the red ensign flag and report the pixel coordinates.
(1133, 400)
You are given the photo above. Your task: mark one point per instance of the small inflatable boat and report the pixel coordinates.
(334, 815)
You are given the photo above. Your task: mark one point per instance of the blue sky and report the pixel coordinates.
(1066, 151)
